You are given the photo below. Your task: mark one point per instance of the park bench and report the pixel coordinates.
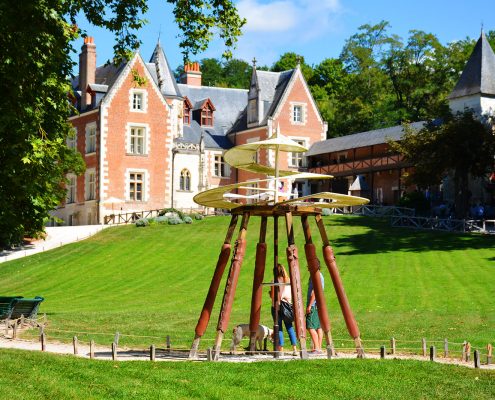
(16, 312)
(6, 305)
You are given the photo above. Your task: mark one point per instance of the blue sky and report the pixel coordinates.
(316, 29)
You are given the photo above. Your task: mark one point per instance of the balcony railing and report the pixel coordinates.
(361, 166)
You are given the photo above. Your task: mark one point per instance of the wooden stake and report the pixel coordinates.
(43, 341)
(392, 346)
(92, 349)
(114, 351)
(382, 351)
(14, 330)
(445, 348)
(463, 356)
(476, 359)
(75, 345)
(152, 352)
(423, 346)
(168, 343)
(489, 350)
(468, 351)
(433, 353)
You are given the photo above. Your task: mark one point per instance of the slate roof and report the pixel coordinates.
(229, 104)
(362, 139)
(478, 75)
(162, 74)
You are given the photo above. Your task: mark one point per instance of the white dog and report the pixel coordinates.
(242, 330)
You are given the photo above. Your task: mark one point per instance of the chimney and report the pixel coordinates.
(191, 75)
(87, 70)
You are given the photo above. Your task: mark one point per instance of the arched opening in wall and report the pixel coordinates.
(185, 180)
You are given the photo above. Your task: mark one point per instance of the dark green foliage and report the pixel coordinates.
(142, 222)
(416, 200)
(187, 220)
(461, 146)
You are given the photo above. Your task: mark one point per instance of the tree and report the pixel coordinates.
(461, 146)
(35, 67)
(289, 61)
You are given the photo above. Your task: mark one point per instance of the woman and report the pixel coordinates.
(285, 313)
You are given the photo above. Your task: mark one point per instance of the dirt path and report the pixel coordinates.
(104, 353)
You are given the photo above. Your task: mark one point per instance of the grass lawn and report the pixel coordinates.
(152, 282)
(45, 376)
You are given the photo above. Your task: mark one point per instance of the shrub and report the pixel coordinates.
(188, 220)
(326, 211)
(198, 217)
(162, 220)
(142, 222)
(175, 221)
(170, 212)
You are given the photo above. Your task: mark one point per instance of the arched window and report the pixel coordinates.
(185, 180)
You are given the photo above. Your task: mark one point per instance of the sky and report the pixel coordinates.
(315, 29)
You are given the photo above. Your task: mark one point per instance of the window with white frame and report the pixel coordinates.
(72, 139)
(222, 169)
(138, 100)
(185, 180)
(71, 189)
(136, 186)
(297, 113)
(296, 159)
(90, 138)
(137, 140)
(90, 185)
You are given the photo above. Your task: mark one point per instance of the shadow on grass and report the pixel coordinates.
(380, 237)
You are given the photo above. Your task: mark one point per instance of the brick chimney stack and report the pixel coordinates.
(191, 75)
(87, 70)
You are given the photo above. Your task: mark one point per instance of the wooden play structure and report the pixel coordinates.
(265, 204)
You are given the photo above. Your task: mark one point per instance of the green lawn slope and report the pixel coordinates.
(150, 282)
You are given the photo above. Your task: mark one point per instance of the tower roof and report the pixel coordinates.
(478, 75)
(162, 74)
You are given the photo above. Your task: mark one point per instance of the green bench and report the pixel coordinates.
(14, 307)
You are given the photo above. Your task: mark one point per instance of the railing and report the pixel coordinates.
(377, 211)
(448, 225)
(356, 166)
(131, 217)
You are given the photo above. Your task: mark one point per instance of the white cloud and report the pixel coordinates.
(278, 16)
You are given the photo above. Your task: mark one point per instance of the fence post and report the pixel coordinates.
(168, 343)
(445, 348)
(423, 346)
(489, 350)
(92, 349)
(114, 352)
(463, 357)
(382, 351)
(209, 356)
(152, 352)
(476, 359)
(433, 353)
(468, 351)
(43, 341)
(75, 345)
(14, 330)
(392, 345)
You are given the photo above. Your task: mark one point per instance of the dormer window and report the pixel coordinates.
(207, 117)
(187, 111)
(138, 100)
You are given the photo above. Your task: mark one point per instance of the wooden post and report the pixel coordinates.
(43, 341)
(168, 344)
(314, 270)
(75, 345)
(152, 352)
(489, 350)
(276, 289)
(423, 346)
(295, 286)
(209, 355)
(392, 346)
(91, 349)
(329, 258)
(14, 330)
(257, 294)
(382, 351)
(476, 359)
(231, 284)
(445, 348)
(114, 352)
(468, 351)
(116, 338)
(433, 353)
(205, 315)
(463, 356)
